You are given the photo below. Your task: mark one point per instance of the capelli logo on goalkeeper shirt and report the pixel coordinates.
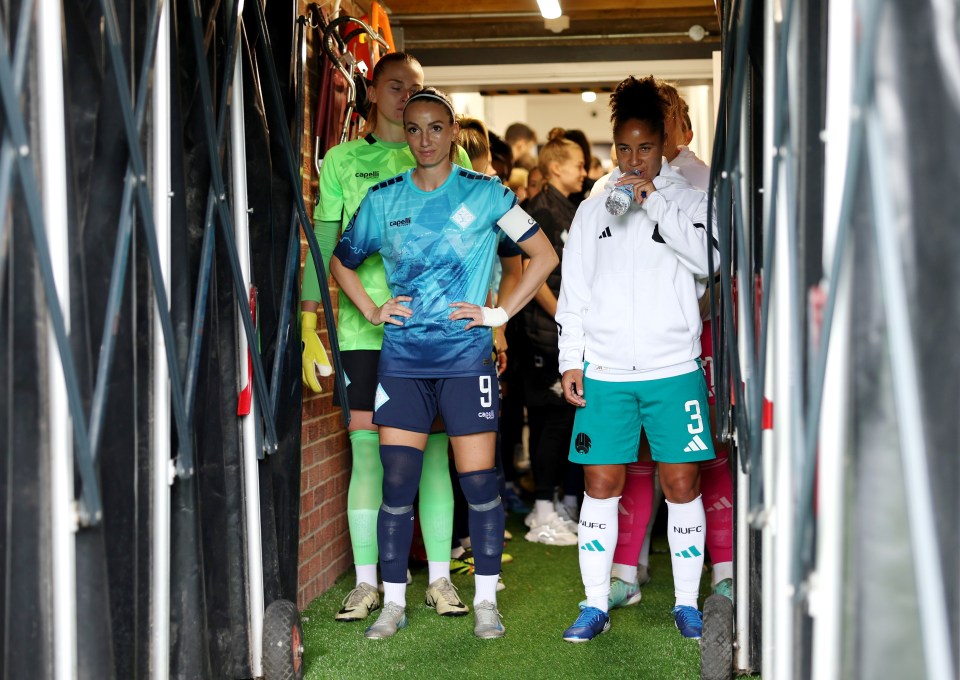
(400, 223)
(373, 174)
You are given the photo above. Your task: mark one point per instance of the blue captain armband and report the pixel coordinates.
(517, 224)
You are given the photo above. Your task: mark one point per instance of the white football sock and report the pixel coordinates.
(686, 527)
(485, 588)
(597, 540)
(625, 572)
(438, 570)
(367, 573)
(395, 592)
(542, 509)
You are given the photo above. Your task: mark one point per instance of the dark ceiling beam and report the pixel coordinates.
(560, 54)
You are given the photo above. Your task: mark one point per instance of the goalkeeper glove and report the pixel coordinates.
(314, 356)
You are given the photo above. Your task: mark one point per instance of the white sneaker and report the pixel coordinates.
(534, 519)
(558, 523)
(552, 531)
(544, 534)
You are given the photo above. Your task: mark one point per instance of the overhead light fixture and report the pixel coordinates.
(558, 25)
(588, 96)
(697, 32)
(550, 9)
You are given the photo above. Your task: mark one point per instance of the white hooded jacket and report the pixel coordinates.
(630, 284)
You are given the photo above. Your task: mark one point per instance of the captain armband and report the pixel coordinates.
(517, 224)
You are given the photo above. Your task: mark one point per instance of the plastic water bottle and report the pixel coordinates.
(619, 200)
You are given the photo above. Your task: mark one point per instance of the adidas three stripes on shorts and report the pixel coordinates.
(673, 413)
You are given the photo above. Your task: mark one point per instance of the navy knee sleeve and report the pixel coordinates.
(401, 477)
(486, 519)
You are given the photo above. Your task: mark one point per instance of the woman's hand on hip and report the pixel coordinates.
(390, 309)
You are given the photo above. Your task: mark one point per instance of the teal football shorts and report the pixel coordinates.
(673, 413)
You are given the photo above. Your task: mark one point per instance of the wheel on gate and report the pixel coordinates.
(716, 644)
(282, 642)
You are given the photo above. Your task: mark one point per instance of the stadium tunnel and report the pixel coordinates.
(155, 173)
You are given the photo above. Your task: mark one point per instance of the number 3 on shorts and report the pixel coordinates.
(697, 426)
(486, 391)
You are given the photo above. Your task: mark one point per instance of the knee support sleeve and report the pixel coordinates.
(401, 476)
(486, 519)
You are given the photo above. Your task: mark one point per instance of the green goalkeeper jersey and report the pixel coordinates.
(348, 170)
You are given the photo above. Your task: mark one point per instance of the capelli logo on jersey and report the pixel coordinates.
(373, 174)
(487, 415)
(400, 223)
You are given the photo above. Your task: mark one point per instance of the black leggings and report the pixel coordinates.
(550, 430)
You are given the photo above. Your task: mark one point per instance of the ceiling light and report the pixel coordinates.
(550, 9)
(588, 96)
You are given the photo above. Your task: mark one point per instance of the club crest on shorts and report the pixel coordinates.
(582, 442)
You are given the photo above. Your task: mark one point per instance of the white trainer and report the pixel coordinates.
(552, 531)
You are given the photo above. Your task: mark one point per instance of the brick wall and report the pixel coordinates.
(324, 540)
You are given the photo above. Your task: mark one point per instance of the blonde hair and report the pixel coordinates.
(474, 139)
(557, 149)
(675, 108)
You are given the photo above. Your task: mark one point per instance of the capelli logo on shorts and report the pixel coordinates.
(486, 415)
(400, 223)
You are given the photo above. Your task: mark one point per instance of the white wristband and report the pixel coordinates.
(494, 317)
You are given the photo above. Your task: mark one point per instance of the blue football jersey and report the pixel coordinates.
(438, 247)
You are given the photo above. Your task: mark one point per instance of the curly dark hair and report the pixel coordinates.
(640, 100)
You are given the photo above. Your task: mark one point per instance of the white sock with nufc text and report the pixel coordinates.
(597, 540)
(686, 527)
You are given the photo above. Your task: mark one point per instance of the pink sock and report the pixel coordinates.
(635, 505)
(716, 488)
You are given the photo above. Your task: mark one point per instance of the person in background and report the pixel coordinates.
(534, 182)
(522, 141)
(518, 182)
(438, 228)
(679, 153)
(347, 172)
(475, 140)
(549, 414)
(629, 339)
(596, 169)
(501, 158)
(580, 138)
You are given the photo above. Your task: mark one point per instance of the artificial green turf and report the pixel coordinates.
(543, 589)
